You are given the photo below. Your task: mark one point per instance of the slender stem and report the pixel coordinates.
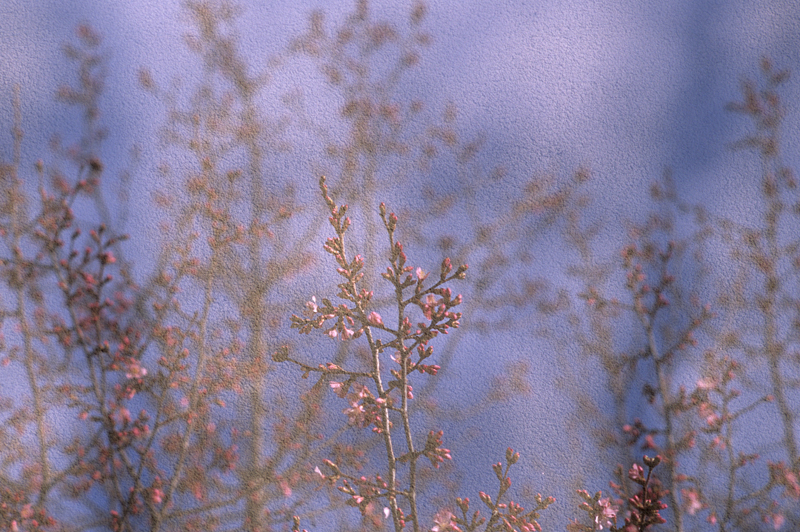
(20, 284)
(412, 488)
(731, 496)
(772, 343)
(663, 385)
(193, 399)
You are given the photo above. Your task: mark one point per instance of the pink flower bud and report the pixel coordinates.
(636, 473)
(487, 500)
(375, 319)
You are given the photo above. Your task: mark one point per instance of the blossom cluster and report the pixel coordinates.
(377, 398)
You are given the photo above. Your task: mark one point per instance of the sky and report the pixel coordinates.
(625, 89)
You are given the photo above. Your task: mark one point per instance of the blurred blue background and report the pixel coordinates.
(623, 89)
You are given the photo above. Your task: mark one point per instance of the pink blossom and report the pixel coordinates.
(792, 483)
(777, 520)
(287, 490)
(692, 501)
(312, 307)
(443, 522)
(607, 514)
(124, 415)
(706, 383)
(636, 472)
(339, 389)
(135, 371)
(375, 319)
(356, 414)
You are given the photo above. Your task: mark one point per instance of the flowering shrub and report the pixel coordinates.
(711, 468)
(408, 346)
(407, 342)
(177, 418)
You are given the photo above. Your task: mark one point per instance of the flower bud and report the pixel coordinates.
(652, 462)
(498, 470)
(281, 355)
(511, 456)
(636, 474)
(446, 268)
(375, 319)
(487, 499)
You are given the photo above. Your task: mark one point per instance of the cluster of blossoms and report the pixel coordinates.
(645, 506)
(642, 509)
(781, 475)
(509, 517)
(602, 511)
(377, 399)
(364, 409)
(374, 400)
